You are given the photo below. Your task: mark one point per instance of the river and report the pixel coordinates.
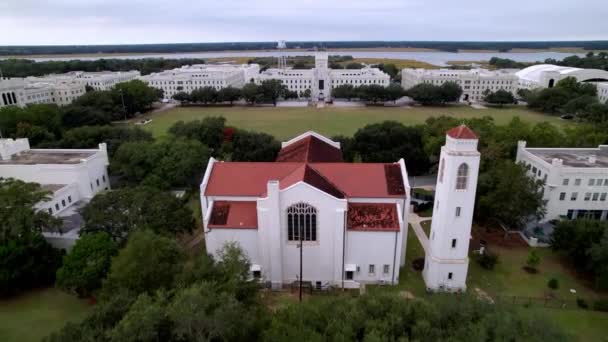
(433, 57)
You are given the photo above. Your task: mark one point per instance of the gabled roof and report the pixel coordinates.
(340, 180)
(310, 149)
(462, 132)
(234, 214)
(308, 175)
(373, 217)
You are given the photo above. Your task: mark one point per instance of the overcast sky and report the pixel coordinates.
(24, 22)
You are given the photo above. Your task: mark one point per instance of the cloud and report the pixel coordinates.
(153, 21)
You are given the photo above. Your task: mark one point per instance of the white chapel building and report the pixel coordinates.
(350, 218)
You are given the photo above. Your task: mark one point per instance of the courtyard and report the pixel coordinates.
(284, 123)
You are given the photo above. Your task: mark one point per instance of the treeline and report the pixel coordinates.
(590, 61)
(372, 93)
(429, 94)
(45, 125)
(268, 91)
(585, 244)
(26, 67)
(300, 62)
(506, 63)
(568, 97)
(450, 46)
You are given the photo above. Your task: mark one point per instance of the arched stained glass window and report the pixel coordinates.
(462, 177)
(301, 222)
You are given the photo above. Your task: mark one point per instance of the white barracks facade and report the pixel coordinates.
(350, 218)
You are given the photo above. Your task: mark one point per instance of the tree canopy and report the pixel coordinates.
(122, 211)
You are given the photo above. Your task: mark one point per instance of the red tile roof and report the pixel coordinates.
(234, 214)
(338, 179)
(373, 217)
(462, 132)
(310, 149)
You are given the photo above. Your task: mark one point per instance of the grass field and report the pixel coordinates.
(286, 123)
(508, 278)
(33, 315)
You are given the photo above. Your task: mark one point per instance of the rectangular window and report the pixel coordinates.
(349, 275)
(69, 199)
(606, 182)
(372, 269)
(450, 276)
(63, 203)
(596, 196)
(57, 206)
(587, 196)
(104, 178)
(97, 180)
(51, 211)
(574, 196)
(453, 243)
(565, 181)
(562, 196)
(386, 269)
(603, 196)
(577, 181)
(598, 182)
(591, 182)
(534, 170)
(457, 211)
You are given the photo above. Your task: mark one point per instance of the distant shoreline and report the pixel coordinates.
(377, 49)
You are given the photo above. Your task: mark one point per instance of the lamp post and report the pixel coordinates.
(301, 231)
(124, 108)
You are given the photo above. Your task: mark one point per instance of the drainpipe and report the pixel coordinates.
(394, 257)
(343, 248)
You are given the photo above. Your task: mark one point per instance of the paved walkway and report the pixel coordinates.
(415, 221)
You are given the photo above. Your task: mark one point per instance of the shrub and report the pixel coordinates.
(418, 264)
(487, 260)
(601, 305)
(582, 303)
(553, 284)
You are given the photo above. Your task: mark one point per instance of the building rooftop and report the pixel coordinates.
(373, 217)
(310, 149)
(52, 187)
(574, 157)
(234, 214)
(33, 157)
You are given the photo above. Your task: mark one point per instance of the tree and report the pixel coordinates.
(76, 116)
(122, 211)
(344, 91)
(306, 93)
(390, 141)
(18, 218)
(147, 263)
(113, 136)
(394, 92)
(87, 264)
(209, 131)
(36, 135)
(272, 90)
(253, 146)
(500, 97)
(99, 102)
(533, 260)
(585, 243)
(251, 93)
(182, 97)
(136, 94)
(450, 92)
(205, 95)
(230, 94)
(425, 93)
(354, 65)
(146, 320)
(163, 164)
(505, 192)
(346, 146)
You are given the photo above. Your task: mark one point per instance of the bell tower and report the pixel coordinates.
(322, 86)
(446, 260)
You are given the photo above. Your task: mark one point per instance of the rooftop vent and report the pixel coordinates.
(592, 159)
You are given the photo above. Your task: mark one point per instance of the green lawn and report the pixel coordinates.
(285, 123)
(33, 315)
(584, 325)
